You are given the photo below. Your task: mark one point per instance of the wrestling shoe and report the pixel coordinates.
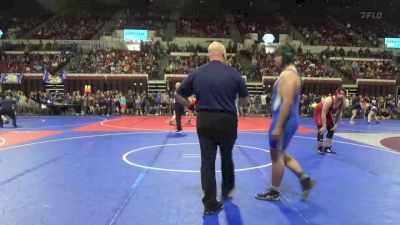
(329, 150)
(307, 185)
(320, 150)
(269, 195)
(210, 211)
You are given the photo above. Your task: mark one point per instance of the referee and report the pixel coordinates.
(7, 107)
(179, 109)
(216, 87)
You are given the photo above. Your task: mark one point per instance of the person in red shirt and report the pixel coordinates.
(191, 109)
(327, 109)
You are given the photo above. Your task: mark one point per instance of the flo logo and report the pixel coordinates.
(371, 15)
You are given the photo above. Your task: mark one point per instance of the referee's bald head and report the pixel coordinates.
(217, 51)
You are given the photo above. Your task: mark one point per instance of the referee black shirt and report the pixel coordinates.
(216, 86)
(7, 105)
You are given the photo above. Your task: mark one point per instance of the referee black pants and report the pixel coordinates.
(179, 111)
(216, 129)
(9, 113)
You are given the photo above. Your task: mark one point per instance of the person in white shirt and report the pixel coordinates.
(264, 103)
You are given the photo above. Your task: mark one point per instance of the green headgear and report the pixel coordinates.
(287, 52)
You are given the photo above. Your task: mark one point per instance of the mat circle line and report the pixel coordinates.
(126, 160)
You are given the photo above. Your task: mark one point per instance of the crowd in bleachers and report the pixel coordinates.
(189, 26)
(187, 64)
(184, 64)
(115, 61)
(189, 47)
(81, 25)
(33, 62)
(382, 69)
(311, 65)
(371, 30)
(148, 61)
(173, 47)
(320, 31)
(16, 26)
(308, 65)
(368, 31)
(48, 46)
(251, 22)
(361, 53)
(256, 27)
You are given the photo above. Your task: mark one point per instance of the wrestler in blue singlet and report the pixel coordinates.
(292, 122)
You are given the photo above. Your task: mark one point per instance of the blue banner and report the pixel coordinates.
(49, 78)
(11, 78)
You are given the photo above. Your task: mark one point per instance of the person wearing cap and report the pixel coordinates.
(216, 86)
